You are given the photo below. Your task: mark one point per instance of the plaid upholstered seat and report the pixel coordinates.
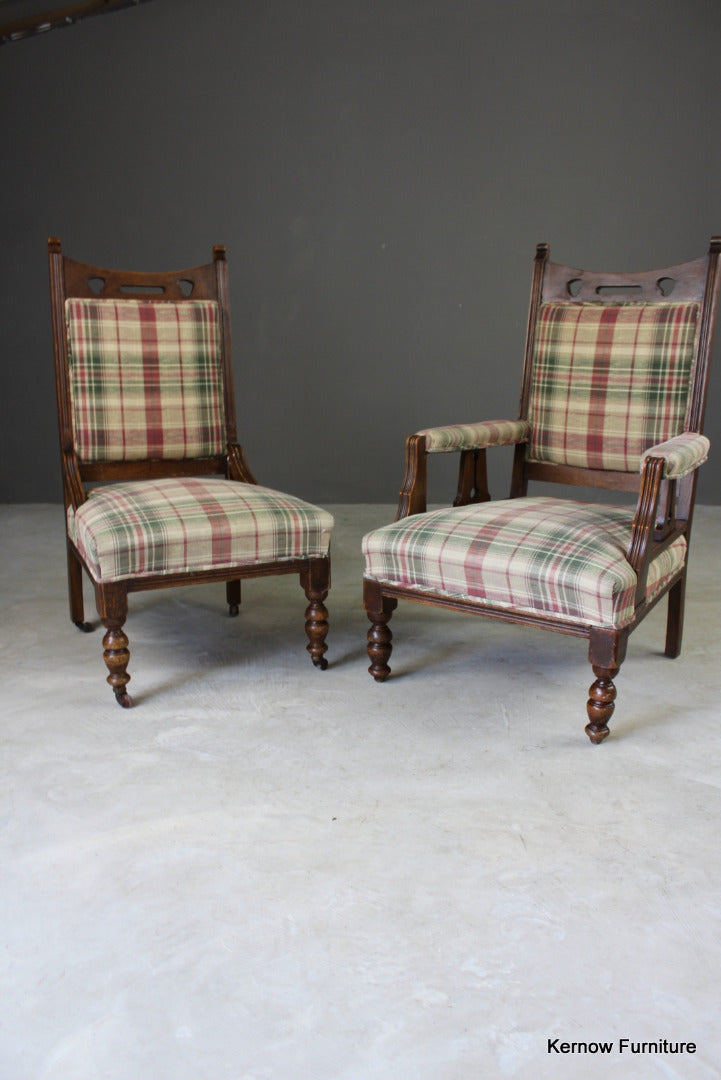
(541, 555)
(612, 397)
(187, 524)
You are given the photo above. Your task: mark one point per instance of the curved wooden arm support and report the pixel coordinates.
(237, 465)
(472, 478)
(413, 493)
(655, 525)
(644, 522)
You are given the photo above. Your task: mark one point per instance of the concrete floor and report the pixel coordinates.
(267, 872)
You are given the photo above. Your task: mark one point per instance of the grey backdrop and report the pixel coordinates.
(380, 171)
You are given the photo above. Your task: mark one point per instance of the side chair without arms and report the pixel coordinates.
(614, 384)
(156, 487)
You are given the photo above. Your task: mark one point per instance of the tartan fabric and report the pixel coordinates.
(609, 380)
(441, 440)
(172, 526)
(145, 379)
(539, 554)
(681, 454)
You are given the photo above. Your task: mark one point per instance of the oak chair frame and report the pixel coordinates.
(664, 510)
(72, 279)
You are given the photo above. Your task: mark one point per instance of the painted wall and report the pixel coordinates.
(380, 173)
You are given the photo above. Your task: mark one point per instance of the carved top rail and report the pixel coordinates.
(679, 283)
(100, 283)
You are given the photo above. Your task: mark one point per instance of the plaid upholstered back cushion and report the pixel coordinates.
(145, 379)
(609, 380)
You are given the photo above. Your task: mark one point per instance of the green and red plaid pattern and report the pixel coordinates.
(146, 380)
(609, 380)
(441, 440)
(540, 554)
(681, 454)
(173, 526)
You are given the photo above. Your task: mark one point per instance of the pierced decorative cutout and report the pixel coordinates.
(666, 285)
(618, 290)
(186, 286)
(574, 286)
(96, 284)
(142, 288)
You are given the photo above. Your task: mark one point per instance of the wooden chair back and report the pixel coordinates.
(144, 371)
(614, 364)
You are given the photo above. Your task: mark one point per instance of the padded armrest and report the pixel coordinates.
(681, 455)
(442, 440)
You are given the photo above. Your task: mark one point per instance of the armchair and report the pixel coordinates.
(156, 487)
(613, 397)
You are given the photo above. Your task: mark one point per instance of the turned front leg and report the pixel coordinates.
(601, 703)
(379, 609)
(116, 656)
(607, 650)
(316, 583)
(112, 601)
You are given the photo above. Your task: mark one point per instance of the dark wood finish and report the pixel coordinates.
(540, 264)
(606, 479)
(674, 621)
(641, 545)
(316, 583)
(379, 607)
(689, 278)
(601, 703)
(412, 498)
(237, 467)
(112, 602)
(156, 469)
(519, 473)
(70, 278)
(75, 590)
(664, 510)
(472, 478)
(606, 653)
(232, 596)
